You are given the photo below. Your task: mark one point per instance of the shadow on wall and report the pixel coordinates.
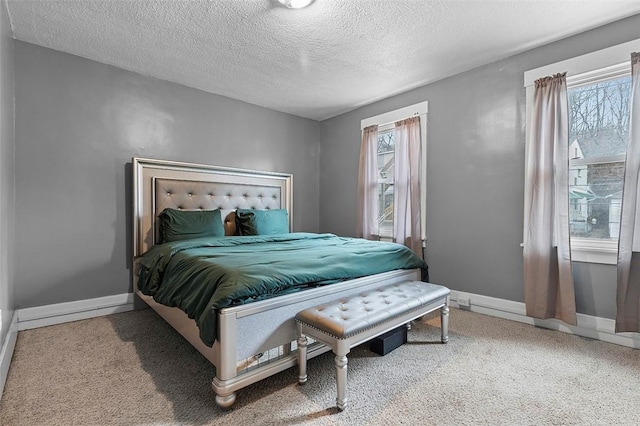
(128, 220)
(107, 277)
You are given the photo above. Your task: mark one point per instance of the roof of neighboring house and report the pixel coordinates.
(604, 144)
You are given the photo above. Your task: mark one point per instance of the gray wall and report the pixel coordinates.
(475, 173)
(79, 122)
(7, 187)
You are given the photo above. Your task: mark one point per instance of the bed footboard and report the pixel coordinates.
(269, 324)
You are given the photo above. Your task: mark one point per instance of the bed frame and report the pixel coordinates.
(255, 340)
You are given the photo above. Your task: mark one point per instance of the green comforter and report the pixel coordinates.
(203, 275)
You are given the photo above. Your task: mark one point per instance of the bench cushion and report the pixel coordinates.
(348, 316)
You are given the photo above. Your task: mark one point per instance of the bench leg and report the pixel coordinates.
(341, 381)
(444, 323)
(302, 359)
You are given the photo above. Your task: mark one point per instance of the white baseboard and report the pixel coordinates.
(588, 326)
(7, 350)
(59, 313)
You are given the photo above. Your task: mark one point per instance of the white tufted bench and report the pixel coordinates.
(348, 322)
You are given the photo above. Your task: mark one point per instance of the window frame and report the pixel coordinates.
(602, 64)
(386, 121)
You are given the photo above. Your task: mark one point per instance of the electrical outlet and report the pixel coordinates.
(463, 302)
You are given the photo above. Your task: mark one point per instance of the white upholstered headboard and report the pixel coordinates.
(158, 184)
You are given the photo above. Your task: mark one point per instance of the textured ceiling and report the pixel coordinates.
(316, 62)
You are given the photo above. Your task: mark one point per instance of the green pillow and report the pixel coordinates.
(177, 225)
(262, 222)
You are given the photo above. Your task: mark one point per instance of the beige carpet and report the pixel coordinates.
(133, 369)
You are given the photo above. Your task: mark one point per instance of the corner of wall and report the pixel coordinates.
(7, 176)
(6, 351)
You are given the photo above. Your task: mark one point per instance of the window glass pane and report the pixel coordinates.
(598, 135)
(386, 150)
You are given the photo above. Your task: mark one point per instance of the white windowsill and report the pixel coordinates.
(594, 251)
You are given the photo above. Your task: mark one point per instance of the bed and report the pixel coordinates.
(250, 341)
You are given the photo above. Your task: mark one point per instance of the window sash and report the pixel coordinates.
(596, 250)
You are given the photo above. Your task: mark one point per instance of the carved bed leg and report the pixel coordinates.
(302, 359)
(444, 323)
(225, 397)
(341, 381)
(226, 401)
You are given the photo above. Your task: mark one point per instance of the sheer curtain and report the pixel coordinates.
(628, 295)
(368, 185)
(548, 276)
(406, 185)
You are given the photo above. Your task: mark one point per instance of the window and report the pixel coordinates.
(598, 140)
(599, 92)
(386, 160)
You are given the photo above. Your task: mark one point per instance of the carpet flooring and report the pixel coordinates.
(134, 369)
